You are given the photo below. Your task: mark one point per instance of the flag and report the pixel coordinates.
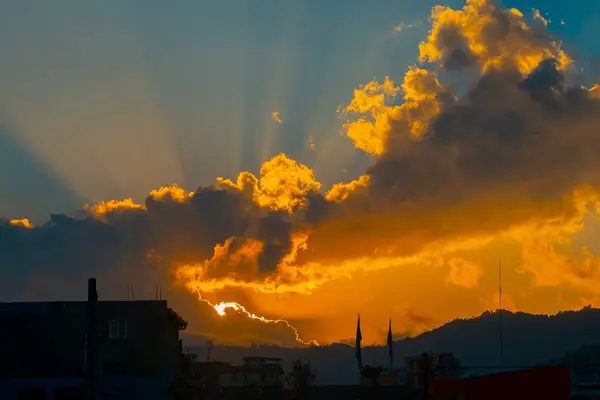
(390, 343)
(358, 340)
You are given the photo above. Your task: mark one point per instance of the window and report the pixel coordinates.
(117, 329)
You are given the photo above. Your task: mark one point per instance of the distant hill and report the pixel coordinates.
(528, 340)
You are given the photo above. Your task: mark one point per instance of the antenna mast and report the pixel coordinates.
(501, 312)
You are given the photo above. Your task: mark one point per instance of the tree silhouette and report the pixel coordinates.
(371, 374)
(300, 377)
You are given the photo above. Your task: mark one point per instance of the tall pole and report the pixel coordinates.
(501, 316)
(91, 351)
(358, 350)
(390, 343)
(426, 368)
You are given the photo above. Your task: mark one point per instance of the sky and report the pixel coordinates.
(220, 130)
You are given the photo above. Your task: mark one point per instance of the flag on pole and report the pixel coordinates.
(390, 343)
(358, 340)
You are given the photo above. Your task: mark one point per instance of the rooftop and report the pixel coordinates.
(252, 358)
(48, 306)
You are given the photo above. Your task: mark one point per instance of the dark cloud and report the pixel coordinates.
(496, 34)
(177, 232)
(455, 47)
(507, 152)
(274, 231)
(535, 135)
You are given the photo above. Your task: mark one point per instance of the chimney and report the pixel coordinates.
(91, 351)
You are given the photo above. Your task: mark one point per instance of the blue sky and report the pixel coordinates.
(111, 99)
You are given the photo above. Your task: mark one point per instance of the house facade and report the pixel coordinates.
(43, 346)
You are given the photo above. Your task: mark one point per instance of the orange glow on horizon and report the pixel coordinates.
(221, 307)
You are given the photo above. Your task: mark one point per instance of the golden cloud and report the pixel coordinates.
(484, 35)
(21, 222)
(276, 117)
(283, 184)
(464, 273)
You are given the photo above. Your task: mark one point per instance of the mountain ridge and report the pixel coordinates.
(528, 339)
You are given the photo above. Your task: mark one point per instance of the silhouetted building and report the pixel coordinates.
(387, 378)
(43, 348)
(256, 377)
(443, 366)
(548, 383)
(377, 376)
(585, 382)
(402, 376)
(209, 374)
(255, 371)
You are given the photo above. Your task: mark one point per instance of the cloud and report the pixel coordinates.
(490, 160)
(484, 35)
(276, 117)
(402, 26)
(424, 96)
(311, 144)
(410, 323)
(538, 16)
(180, 227)
(340, 191)
(283, 184)
(464, 273)
(21, 222)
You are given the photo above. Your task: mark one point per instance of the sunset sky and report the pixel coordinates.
(309, 160)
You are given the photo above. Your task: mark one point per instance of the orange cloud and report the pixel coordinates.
(483, 34)
(235, 263)
(173, 192)
(371, 135)
(283, 184)
(21, 222)
(422, 94)
(419, 241)
(464, 273)
(101, 209)
(538, 16)
(276, 117)
(340, 191)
